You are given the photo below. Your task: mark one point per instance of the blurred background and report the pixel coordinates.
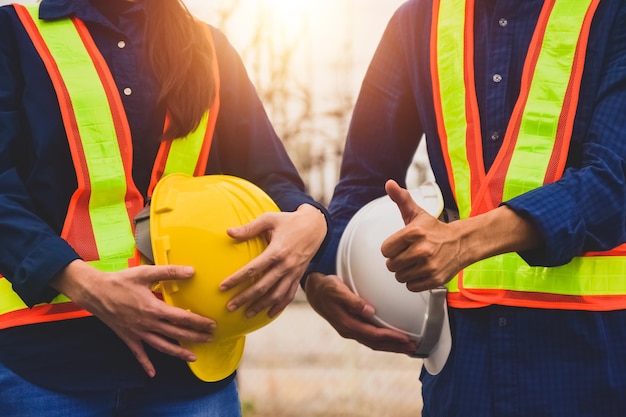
(307, 60)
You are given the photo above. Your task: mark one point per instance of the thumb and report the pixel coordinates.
(408, 207)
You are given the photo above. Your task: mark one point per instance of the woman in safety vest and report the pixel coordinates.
(522, 106)
(99, 99)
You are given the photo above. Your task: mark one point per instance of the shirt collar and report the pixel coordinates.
(56, 9)
(83, 9)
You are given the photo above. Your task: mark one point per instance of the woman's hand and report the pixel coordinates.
(125, 302)
(274, 275)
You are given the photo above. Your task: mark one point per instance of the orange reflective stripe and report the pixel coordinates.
(90, 205)
(456, 108)
(533, 153)
(489, 195)
(78, 226)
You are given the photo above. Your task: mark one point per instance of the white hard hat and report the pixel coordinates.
(421, 315)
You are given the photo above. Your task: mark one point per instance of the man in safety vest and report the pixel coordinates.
(100, 100)
(522, 106)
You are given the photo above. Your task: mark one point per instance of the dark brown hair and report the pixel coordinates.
(180, 54)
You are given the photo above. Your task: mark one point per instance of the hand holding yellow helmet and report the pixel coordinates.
(188, 221)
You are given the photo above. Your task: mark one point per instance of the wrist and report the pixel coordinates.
(496, 232)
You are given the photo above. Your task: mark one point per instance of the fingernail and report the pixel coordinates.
(231, 307)
(191, 358)
(188, 270)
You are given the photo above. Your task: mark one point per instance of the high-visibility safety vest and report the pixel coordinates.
(99, 222)
(533, 153)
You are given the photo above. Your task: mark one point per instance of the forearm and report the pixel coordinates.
(493, 233)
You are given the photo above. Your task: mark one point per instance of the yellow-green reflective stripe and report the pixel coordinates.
(545, 100)
(183, 155)
(107, 208)
(453, 284)
(10, 301)
(451, 69)
(594, 275)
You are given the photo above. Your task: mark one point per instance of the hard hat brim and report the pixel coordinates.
(438, 356)
(216, 360)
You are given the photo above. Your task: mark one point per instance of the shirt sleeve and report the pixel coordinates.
(585, 210)
(384, 133)
(245, 143)
(32, 252)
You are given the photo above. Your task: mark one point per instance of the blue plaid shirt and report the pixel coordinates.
(507, 361)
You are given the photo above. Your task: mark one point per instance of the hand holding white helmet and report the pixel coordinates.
(423, 315)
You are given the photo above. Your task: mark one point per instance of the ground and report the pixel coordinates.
(298, 366)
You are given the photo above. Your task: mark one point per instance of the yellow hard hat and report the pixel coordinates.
(188, 221)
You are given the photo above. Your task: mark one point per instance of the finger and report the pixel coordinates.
(252, 229)
(155, 273)
(169, 347)
(264, 292)
(280, 306)
(279, 296)
(408, 207)
(187, 320)
(419, 285)
(251, 272)
(402, 261)
(137, 349)
(390, 345)
(377, 338)
(275, 295)
(352, 303)
(176, 332)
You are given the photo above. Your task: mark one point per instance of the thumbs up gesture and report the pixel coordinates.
(425, 253)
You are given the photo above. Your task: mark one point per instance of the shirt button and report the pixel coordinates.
(496, 78)
(128, 91)
(502, 322)
(121, 44)
(495, 136)
(503, 22)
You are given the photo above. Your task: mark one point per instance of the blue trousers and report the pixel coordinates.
(20, 398)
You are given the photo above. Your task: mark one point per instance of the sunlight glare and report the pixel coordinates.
(290, 15)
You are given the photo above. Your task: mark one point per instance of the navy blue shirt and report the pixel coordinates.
(37, 179)
(584, 211)
(507, 361)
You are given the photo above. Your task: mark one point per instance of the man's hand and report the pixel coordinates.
(428, 253)
(352, 316)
